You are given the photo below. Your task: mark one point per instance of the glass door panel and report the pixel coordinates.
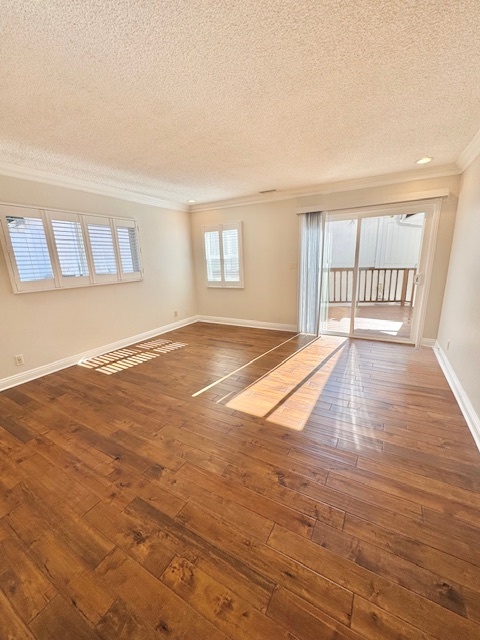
(338, 283)
(389, 255)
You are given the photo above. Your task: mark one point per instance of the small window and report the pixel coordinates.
(223, 255)
(54, 250)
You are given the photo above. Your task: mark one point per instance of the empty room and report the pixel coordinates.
(240, 312)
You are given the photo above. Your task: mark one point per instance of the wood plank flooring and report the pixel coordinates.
(327, 490)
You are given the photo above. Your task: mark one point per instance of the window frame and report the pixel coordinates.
(59, 281)
(222, 283)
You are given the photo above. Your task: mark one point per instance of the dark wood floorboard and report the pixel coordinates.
(314, 489)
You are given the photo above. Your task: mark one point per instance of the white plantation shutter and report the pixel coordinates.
(70, 249)
(25, 239)
(231, 255)
(103, 250)
(129, 249)
(223, 255)
(30, 248)
(212, 257)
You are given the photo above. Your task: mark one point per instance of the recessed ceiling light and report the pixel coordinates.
(424, 160)
(191, 201)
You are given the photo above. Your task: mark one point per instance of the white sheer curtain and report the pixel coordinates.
(311, 243)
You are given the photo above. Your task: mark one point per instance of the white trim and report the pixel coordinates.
(253, 324)
(385, 200)
(333, 187)
(429, 245)
(69, 212)
(52, 367)
(428, 342)
(471, 417)
(471, 151)
(46, 177)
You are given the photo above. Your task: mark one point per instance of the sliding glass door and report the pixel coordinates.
(389, 258)
(373, 266)
(340, 242)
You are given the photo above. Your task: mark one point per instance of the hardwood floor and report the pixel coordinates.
(327, 490)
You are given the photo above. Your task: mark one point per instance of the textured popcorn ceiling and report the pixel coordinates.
(211, 99)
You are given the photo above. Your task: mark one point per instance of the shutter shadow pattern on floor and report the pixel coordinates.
(121, 359)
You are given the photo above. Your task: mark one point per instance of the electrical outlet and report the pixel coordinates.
(175, 314)
(19, 360)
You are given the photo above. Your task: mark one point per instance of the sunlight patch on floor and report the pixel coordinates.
(287, 395)
(244, 366)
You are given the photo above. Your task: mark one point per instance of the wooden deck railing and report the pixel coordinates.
(374, 285)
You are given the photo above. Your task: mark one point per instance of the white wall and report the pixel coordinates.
(460, 320)
(51, 325)
(271, 252)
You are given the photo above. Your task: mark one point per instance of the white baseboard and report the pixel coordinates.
(253, 324)
(471, 417)
(70, 361)
(38, 372)
(428, 342)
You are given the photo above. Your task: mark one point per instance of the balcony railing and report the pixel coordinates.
(394, 284)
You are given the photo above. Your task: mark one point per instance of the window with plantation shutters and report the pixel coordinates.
(223, 255)
(70, 249)
(30, 249)
(25, 243)
(102, 246)
(129, 248)
(58, 249)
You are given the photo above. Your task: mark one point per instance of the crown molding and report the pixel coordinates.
(332, 187)
(45, 177)
(468, 155)
(35, 175)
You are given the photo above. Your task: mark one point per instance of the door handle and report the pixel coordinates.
(418, 279)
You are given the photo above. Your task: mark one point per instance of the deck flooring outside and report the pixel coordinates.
(327, 490)
(376, 320)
